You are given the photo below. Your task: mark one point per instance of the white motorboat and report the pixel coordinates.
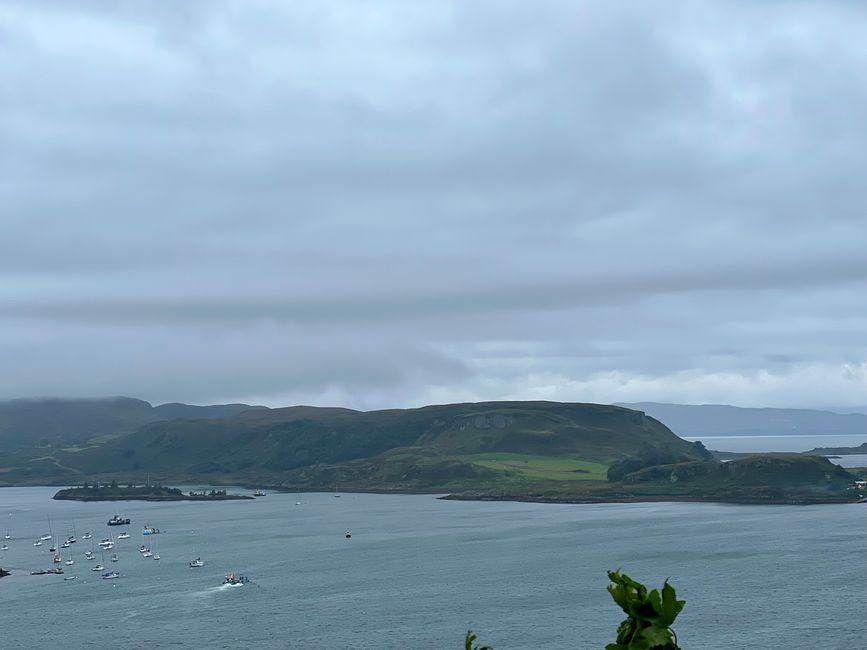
(123, 535)
(98, 567)
(69, 562)
(110, 575)
(197, 563)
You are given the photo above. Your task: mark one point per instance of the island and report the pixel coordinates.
(521, 451)
(113, 492)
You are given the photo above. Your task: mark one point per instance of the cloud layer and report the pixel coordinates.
(389, 204)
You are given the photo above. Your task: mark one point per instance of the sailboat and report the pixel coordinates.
(156, 551)
(114, 557)
(8, 535)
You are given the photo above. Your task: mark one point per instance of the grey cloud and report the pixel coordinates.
(402, 202)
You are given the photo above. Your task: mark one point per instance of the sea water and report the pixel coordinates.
(418, 572)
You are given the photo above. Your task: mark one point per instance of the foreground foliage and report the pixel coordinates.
(649, 616)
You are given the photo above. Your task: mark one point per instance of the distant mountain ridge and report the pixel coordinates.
(722, 420)
(34, 422)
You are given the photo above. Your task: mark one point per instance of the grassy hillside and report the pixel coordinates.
(278, 441)
(526, 450)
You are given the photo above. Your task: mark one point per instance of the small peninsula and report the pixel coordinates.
(113, 492)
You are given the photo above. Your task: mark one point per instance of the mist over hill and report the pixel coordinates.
(59, 422)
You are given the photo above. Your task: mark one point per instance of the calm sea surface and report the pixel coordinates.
(418, 572)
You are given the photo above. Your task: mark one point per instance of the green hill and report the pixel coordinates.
(525, 450)
(273, 442)
(43, 422)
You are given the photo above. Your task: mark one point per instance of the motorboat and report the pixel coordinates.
(87, 535)
(197, 563)
(46, 537)
(150, 530)
(98, 567)
(69, 562)
(70, 577)
(233, 580)
(38, 542)
(5, 547)
(117, 520)
(110, 575)
(123, 535)
(258, 493)
(348, 534)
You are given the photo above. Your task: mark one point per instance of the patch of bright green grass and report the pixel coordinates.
(553, 468)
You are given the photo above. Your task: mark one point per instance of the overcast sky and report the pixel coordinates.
(390, 204)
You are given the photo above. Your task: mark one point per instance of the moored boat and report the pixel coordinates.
(117, 520)
(110, 575)
(150, 530)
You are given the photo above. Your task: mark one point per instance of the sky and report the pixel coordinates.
(391, 204)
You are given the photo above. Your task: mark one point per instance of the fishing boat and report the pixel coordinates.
(110, 575)
(233, 580)
(150, 530)
(117, 520)
(197, 563)
(44, 572)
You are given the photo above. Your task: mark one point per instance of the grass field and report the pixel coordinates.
(552, 468)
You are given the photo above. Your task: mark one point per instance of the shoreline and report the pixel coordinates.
(458, 496)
